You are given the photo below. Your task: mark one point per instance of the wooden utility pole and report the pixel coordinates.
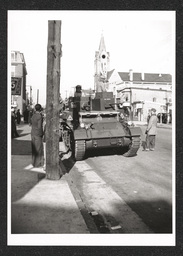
(53, 169)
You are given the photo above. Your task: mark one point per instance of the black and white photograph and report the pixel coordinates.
(91, 128)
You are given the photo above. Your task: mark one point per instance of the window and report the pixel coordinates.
(15, 56)
(12, 71)
(12, 56)
(154, 99)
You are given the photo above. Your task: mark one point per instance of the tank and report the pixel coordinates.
(97, 124)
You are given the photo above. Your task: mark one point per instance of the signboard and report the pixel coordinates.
(15, 86)
(138, 105)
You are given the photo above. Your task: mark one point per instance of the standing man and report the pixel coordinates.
(30, 116)
(26, 115)
(18, 116)
(151, 131)
(36, 137)
(14, 132)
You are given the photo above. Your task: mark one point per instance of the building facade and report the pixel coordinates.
(136, 92)
(143, 91)
(18, 81)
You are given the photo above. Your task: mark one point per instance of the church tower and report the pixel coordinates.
(101, 66)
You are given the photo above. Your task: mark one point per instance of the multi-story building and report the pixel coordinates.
(18, 81)
(136, 92)
(142, 91)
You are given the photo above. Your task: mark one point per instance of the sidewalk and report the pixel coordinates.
(39, 205)
(162, 125)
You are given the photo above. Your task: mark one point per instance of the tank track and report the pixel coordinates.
(133, 148)
(79, 149)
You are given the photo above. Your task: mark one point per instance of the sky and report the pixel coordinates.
(140, 40)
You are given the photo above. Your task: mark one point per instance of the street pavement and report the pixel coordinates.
(40, 205)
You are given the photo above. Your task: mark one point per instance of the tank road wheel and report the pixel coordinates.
(79, 149)
(133, 147)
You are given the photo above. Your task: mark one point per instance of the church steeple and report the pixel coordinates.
(102, 44)
(102, 59)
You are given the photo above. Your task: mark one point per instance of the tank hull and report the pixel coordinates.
(120, 137)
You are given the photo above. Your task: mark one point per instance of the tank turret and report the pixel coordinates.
(103, 101)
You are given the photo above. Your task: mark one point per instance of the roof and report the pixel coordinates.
(109, 73)
(148, 77)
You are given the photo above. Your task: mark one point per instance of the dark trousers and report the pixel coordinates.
(18, 120)
(37, 151)
(150, 141)
(14, 132)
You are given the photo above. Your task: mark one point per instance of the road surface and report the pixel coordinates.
(126, 195)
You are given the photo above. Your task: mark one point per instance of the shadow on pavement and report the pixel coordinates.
(159, 220)
(23, 134)
(43, 219)
(23, 182)
(105, 152)
(69, 162)
(19, 131)
(158, 216)
(46, 219)
(21, 147)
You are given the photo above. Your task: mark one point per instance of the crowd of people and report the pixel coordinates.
(16, 119)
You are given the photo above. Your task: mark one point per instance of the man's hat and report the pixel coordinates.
(153, 109)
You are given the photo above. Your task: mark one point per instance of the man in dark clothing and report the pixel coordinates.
(30, 116)
(36, 136)
(26, 115)
(18, 116)
(14, 132)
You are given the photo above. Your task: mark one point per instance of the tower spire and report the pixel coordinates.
(102, 59)
(102, 43)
